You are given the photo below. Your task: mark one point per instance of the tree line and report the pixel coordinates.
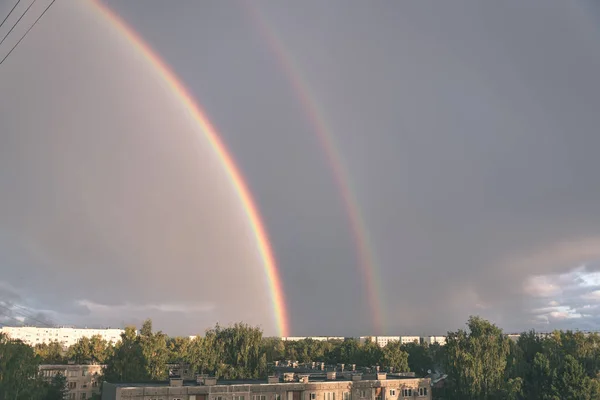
(480, 362)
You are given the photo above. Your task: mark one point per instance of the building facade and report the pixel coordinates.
(318, 338)
(82, 380)
(353, 388)
(441, 340)
(66, 336)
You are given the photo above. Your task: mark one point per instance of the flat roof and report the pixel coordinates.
(312, 379)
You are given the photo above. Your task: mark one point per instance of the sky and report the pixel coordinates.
(465, 132)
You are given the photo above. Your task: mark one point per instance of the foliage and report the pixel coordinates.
(128, 362)
(57, 388)
(50, 353)
(18, 371)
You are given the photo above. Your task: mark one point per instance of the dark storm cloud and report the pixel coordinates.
(469, 129)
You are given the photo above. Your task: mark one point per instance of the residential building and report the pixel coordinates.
(441, 340)
(382, 341)
(82, 380)
(301, 387)
(66, 336)
(410, 339)
(319, 338)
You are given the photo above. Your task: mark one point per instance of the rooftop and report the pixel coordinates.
(312, 378)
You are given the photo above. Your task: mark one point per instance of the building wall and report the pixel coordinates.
(441, 340)
(66, 336)
(319, 338)
(82, 380)
(393, 389)
(409, 339)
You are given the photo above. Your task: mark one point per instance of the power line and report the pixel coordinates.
(22, 314)
(13, 27)
(10, 12)
(31, 27)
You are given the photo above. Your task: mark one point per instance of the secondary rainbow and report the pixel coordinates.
(368, 266)
(210, 133)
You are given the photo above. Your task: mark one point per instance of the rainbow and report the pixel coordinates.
(368, 267)
(210, 133)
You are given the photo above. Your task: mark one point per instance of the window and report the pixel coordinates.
(71, 396)
(422, 391)
(346, 396)
(392, 392)
(94, 384)
(277, 397)
(408, 392)
(328, 396)
(218, 398)
(259, 397)
(363, 394)
(83, 396)
(238, 397)
(313, 396)
(72, 385)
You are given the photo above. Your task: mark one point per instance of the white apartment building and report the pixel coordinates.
(66, 336)
(410, 339)
(441, 340)
(381, 341)
(318, 338)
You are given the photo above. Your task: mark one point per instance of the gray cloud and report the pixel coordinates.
(469, 131)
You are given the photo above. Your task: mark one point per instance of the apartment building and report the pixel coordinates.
(410, 339)
(66, 336)
(382, 341)
(319, 338)
(304, 387)
(82, 380)
(441, 340)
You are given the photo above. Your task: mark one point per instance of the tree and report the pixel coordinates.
(419, 358)
(80, 352)
(127, 363)
(50, 353)
(19, 378)
(57, 389)
(476, 360)
(395, 357)
(154, 350)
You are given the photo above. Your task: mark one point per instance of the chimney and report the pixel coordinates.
(356, 377)
(342, 367)
(331, 376)
(381, 376)
(303, 378)
(175, 382)
(353, 367)
(209, 381)
(273, 379)
(377, 368)
(288, 377)
(322, 366)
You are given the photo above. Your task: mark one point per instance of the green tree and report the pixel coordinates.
(57, 388)
(154, 350)
(178, 348)
(395, 357)
(419, 358)
(80, 352)
(50, 353)
(476, 361)
(19, 378)
(127, 363)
